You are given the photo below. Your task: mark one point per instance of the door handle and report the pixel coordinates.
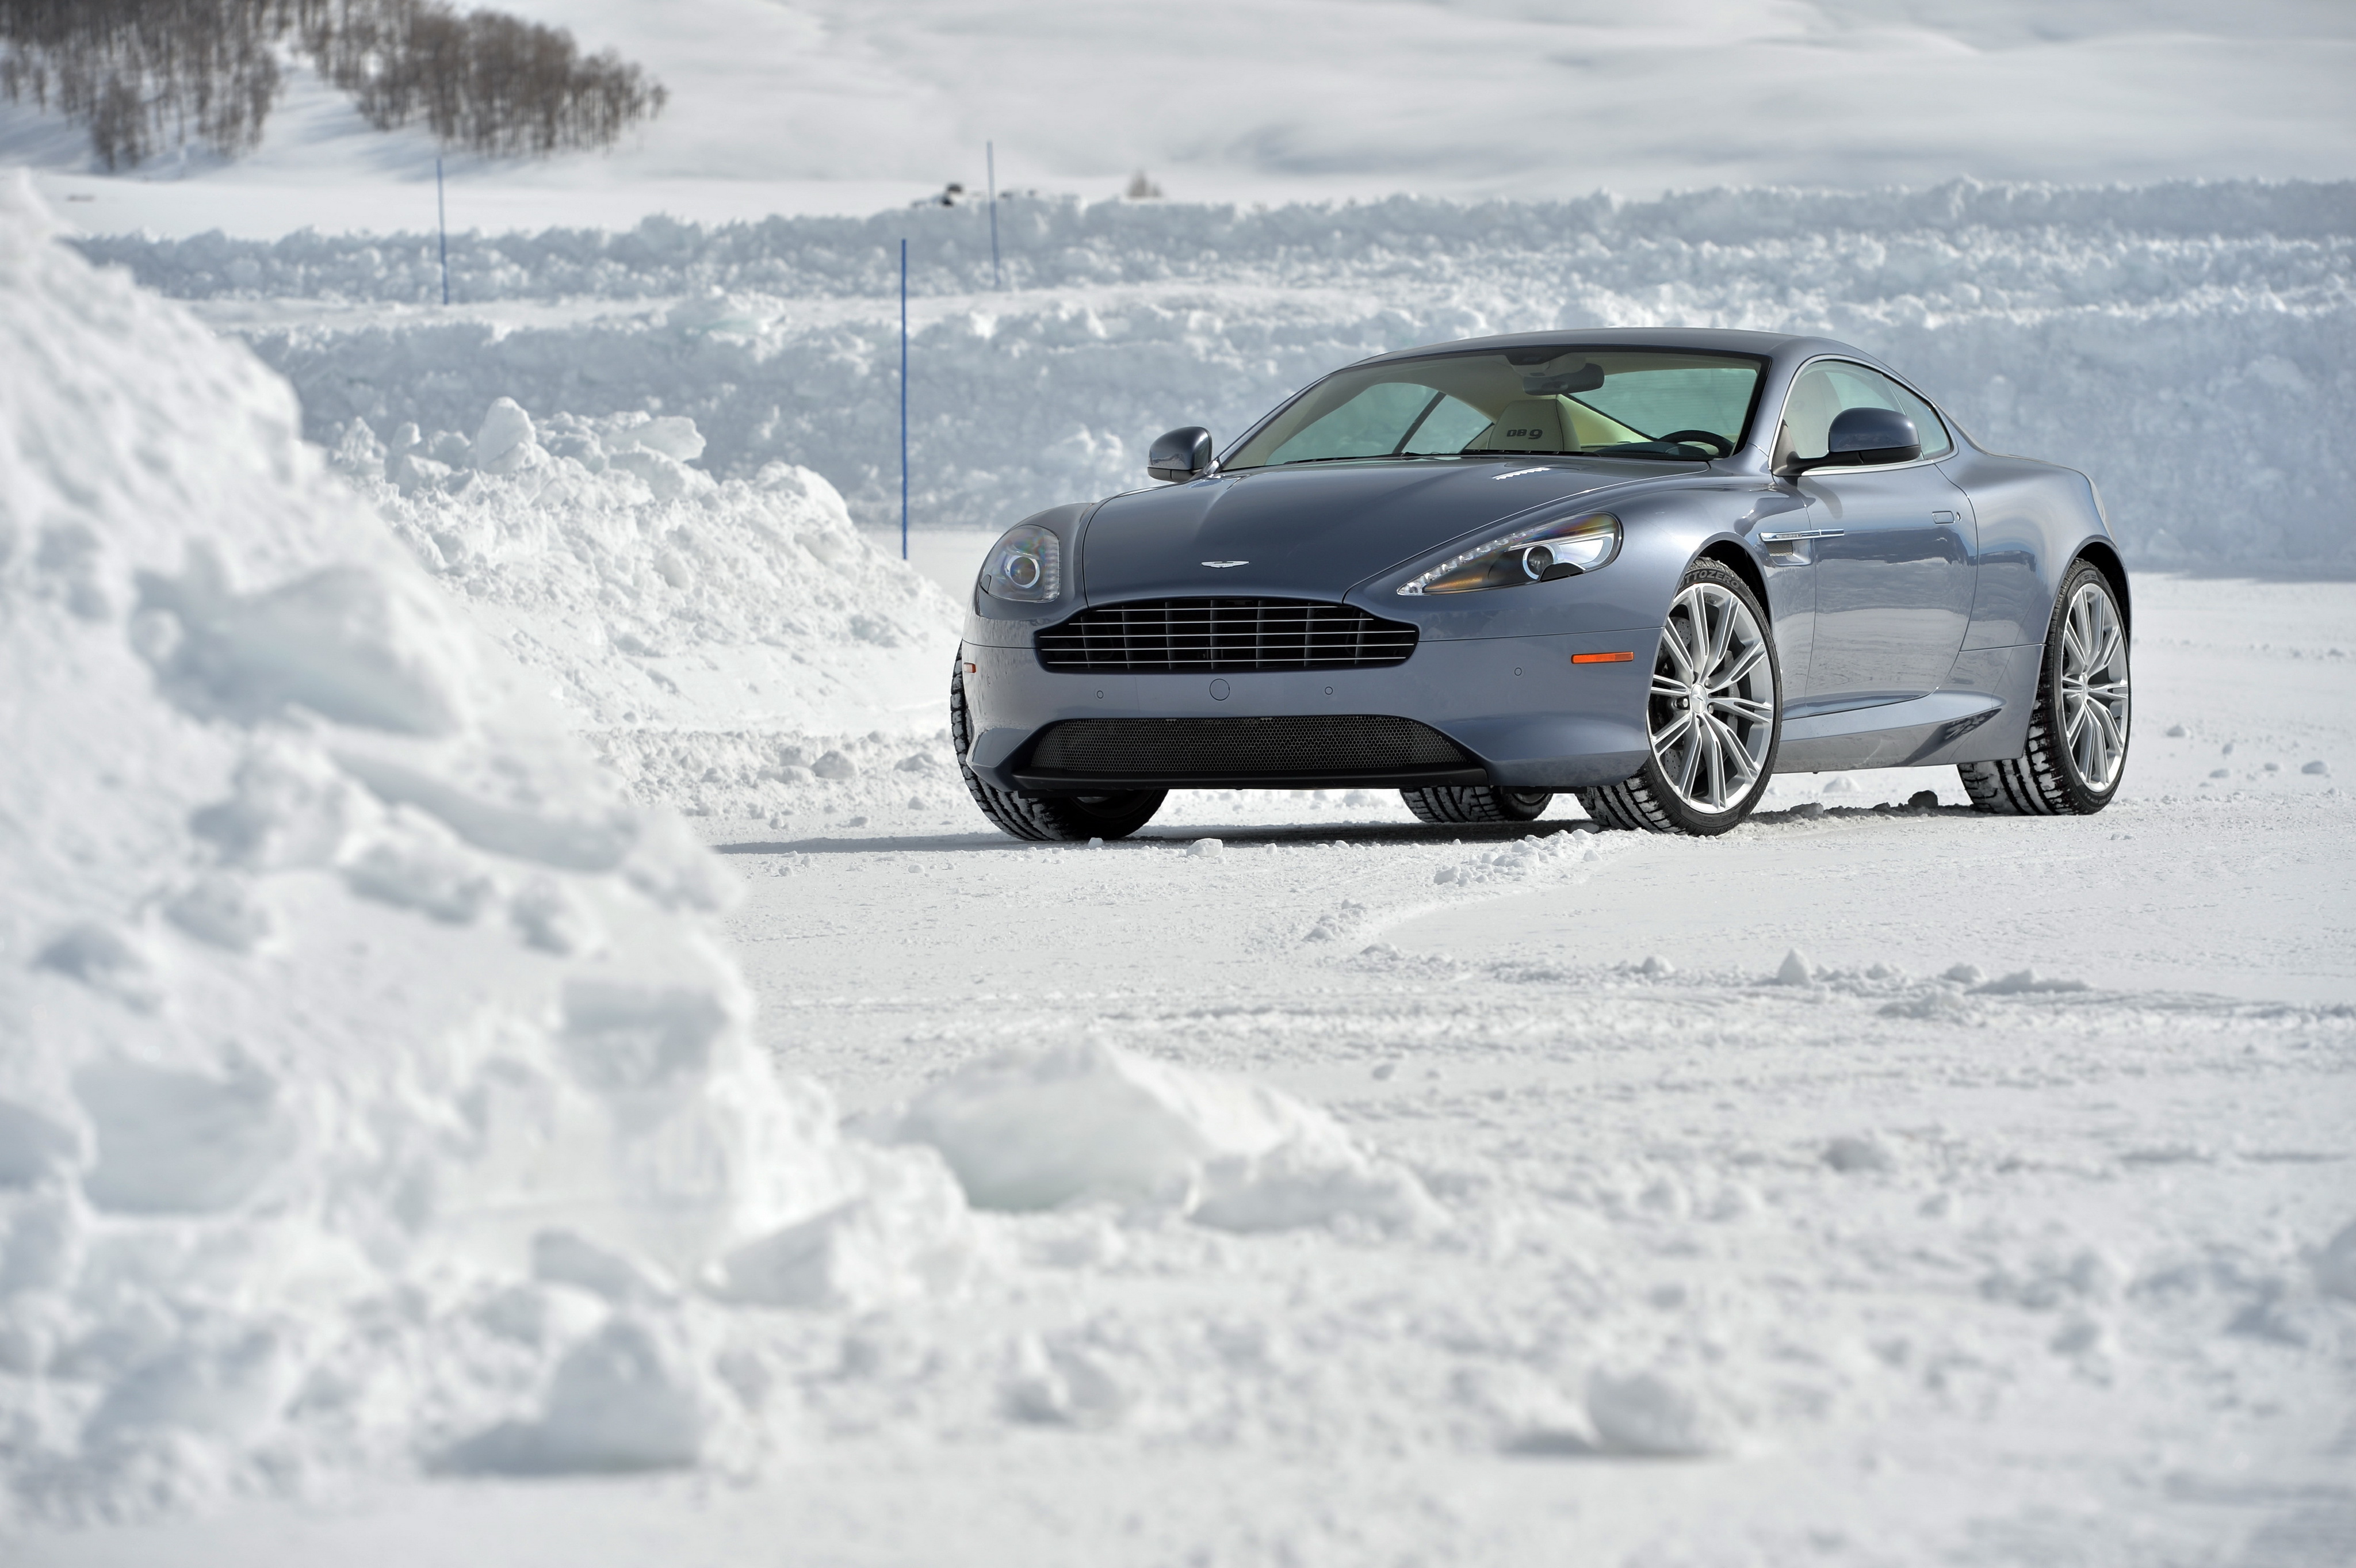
(1942, 517)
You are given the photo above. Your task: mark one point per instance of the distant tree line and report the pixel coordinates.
(484, 81)
(145, 75)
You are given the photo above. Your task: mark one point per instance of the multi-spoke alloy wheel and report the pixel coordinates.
(2094, 687)
(1713, 715)
(2078, 729)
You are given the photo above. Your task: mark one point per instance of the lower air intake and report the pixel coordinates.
(1296, 746)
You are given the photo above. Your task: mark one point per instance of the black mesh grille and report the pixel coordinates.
(1225, 634)
(1341, 743)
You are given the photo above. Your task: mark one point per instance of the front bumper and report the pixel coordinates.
(1522, 714)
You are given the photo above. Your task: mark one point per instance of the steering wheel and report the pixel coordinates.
(1707, 437)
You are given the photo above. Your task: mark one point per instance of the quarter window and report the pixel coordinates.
(1829, 387)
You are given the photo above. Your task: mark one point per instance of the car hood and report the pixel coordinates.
(1314, 531)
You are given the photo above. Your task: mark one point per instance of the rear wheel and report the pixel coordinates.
(1476, 803)
(1055, 819)
(1714, 715)
(2078, 730)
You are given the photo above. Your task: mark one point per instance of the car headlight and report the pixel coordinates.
(1538, 553)
(1026, 566)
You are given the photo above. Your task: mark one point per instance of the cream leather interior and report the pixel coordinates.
(1553, 424)
(1532, 424)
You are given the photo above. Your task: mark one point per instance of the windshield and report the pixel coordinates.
(1621, 402)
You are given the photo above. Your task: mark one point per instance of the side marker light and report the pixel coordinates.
(1602, 658)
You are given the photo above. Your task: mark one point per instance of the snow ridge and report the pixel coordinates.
(1065, 242)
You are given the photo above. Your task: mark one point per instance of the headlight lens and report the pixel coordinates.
(1538, 553)
(1026, 566)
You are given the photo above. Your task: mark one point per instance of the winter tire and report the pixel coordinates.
(1476, 803)
(2078, 730)
(1714, 715)
(1052, 819)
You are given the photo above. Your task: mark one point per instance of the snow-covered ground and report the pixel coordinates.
(2011, 1223)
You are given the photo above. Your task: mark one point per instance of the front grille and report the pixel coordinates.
(1194, 635)
(1341, 743)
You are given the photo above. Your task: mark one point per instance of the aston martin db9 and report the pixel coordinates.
(1649, 568)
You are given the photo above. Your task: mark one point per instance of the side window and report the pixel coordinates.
(1828, 386)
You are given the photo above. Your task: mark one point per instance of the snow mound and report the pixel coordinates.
(1524, 858)
(1653, 1414)
(372, 1087)
(719, 640)
(1041, 1129)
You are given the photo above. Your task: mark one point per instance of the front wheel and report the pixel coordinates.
(1713, 717)
(2078, 729)
(1048, 819)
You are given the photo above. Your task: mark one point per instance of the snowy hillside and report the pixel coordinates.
(848, 106)
(2179, 343)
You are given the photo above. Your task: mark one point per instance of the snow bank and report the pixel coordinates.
(372, 1088)
(722, 643)
(2183, 343)
(1041, 1129)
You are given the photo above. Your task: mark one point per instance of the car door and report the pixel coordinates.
(1894, 552)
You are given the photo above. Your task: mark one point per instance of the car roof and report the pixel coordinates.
(1780, 345)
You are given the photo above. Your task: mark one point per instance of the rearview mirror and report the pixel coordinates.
(1180, 455)
(1863, 436)
(1568, 374)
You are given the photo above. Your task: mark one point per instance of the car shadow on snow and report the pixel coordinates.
(1172, 837)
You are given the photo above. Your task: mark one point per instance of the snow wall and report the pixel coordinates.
(2191, 346)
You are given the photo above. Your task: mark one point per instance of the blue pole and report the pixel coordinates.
(441, 220)
(989, 150)
(904, 400)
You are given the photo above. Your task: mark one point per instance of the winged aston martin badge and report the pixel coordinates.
(1219, 564)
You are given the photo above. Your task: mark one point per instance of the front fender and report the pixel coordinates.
(1661, 536)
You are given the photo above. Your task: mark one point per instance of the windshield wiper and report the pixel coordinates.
(1348, 457)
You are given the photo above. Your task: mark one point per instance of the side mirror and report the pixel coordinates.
(1181, 454)
(1861, 436)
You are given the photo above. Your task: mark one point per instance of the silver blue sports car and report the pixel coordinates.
(1652, 568)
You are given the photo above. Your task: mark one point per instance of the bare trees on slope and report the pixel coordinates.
(145, 75)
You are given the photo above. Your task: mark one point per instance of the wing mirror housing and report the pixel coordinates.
(1180, 455)
(1863, 436)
